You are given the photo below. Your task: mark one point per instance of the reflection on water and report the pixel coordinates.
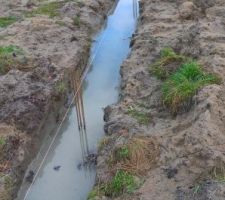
(85, 120)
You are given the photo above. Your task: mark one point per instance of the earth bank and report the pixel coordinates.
(41, 42)
(189, 163)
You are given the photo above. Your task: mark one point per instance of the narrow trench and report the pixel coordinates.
(68, 171)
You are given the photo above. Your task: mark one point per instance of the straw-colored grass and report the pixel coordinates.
(137, 156)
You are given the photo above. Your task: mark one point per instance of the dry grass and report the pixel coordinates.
(141, 155)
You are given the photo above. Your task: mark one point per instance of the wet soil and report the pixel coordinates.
(192, 142)
(35, 90)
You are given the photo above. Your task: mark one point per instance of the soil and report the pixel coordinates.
(192, 142)
(35, 91)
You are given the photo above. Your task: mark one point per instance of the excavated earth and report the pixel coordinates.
(192, 143)
(34, 93)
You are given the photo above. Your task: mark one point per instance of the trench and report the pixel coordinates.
(64, 174)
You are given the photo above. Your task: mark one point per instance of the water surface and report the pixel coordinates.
(109, 51)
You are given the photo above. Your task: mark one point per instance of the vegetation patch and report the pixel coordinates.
(122, 182)
(143, 118)
(137, 156)
(6, 21)
(7, 57)
(180, 87)
(77, 21)
(182, 77)
(168, 62)
(50, 9)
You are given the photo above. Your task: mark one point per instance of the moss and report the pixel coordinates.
(6, 21)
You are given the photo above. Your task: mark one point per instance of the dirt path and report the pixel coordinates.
(40, 43)
(190, 164)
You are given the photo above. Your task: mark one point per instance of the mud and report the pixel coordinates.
(191, 143)
(35, 92)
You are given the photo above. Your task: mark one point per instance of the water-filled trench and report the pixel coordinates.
(62, 176)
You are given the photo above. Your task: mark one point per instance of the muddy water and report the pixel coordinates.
(110, 48)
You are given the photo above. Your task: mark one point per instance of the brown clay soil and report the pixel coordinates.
(191, 159)
(35, 88)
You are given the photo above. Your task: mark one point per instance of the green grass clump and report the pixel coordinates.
(76, 21)
(6, 57)
(122, 153)
(6, 21)
(143, 118)
(184, 83)
(169, 61)
(122, 182)
(50, 9)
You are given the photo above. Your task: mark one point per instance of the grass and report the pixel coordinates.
(122, 153)
(6, 57)
(136, 157)
(60, 87)
(179, 88)
(6, 21)
(122, 182)
(50, 9)
(161, 68)
(143, 118)
(76, 21)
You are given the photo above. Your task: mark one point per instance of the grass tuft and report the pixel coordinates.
(122, 182)
(76, 21)
(6, 57)
(50, 9)
(122, 153)
(179, 88)
(143, 118)
(6, 21)
(168, 63)
(137, 156)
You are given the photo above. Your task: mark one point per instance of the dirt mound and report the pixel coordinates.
(192, 142)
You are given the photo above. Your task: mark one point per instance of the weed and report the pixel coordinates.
(50, 9)
(197, 189)
(184, 83)
(167, 64)
(122, 153)
(143, 118)
(6, 21)
(6, 57)
(121, 183)
(76, 21)
(2, 141)
(60, 87)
